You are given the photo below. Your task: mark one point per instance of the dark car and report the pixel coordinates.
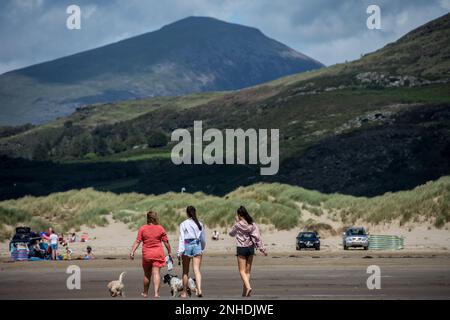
(23, 244)
(308, 240)
(25, 235)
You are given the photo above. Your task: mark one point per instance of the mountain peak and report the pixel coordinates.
(209, 25)
(193, 54)
(197, 19)
(201, 20)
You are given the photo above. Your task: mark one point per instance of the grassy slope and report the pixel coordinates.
(423, 53)
(302, 120)
(110, 113)
(276, 204)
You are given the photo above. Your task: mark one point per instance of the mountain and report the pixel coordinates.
(374, 125)
(191, 55)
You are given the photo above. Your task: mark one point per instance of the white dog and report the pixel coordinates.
(116, 287)
(176, 285)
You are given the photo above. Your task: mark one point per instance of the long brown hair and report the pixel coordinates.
(191, 213)
(243, 213)
(152, 217)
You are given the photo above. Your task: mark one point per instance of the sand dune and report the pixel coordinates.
(116, 239)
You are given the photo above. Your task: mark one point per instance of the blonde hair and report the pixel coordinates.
(152, 217)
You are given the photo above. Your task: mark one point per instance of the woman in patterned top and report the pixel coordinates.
(248, 238)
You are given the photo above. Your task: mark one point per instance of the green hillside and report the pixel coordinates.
(335, 92)
(377, 124)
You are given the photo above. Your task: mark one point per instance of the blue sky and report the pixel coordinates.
(331, 31)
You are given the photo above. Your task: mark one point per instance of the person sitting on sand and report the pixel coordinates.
(61, 240)
(67, 255)
(247, 239)
(89, 255)
(37, 251)
(215, 235)
(73, 238)
(43, 245)
(153, 259)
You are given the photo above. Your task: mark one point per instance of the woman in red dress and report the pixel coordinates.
(151, 235)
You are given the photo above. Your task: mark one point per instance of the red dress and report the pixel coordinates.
(152, 251)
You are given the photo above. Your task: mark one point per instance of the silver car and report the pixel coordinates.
(355, 237)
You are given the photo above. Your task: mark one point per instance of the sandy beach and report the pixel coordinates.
(303, 275)
(420, 271)
(116, 239)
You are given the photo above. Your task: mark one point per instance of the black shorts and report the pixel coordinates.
(245, 251)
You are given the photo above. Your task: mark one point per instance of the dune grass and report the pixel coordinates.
(276, 204)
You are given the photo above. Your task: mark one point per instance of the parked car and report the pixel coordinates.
(355, 237)
(23, 244)
(307, 240)
(25, 235)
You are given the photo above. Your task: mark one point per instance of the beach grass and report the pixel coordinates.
(276, 204)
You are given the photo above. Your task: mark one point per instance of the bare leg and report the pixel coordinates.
(156, 280)
(196, 264)
(242, 266)
(147, 277)
(186, 262)
(248, 270)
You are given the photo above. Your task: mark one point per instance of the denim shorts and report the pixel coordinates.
(55, 247)
(192, 247)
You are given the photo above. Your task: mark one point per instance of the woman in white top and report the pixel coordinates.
(191, 245)
(54, 244)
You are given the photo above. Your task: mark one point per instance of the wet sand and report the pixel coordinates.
(299, 275)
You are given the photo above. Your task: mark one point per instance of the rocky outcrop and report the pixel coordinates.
(388, 81)
(372, 117)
